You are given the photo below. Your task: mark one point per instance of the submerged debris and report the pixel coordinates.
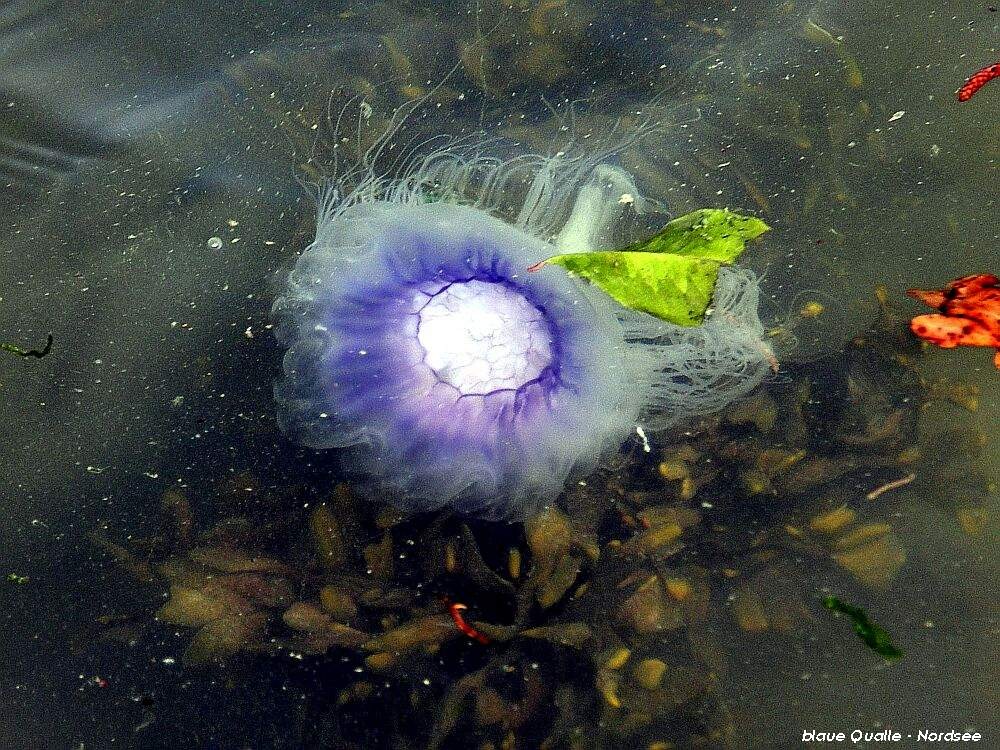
(895, 484)
(593, 624)
(873, 636)
(466, 628)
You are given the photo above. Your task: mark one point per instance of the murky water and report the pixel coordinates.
(157, 164)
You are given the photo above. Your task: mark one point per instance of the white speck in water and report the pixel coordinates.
(214, 243)
(642, 436)
(897, 115)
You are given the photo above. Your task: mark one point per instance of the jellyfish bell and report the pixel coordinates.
(448, 375)
(462, 378)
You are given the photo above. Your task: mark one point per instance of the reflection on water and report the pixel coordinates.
(153, 160)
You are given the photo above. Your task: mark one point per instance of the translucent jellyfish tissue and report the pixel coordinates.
(418, 343)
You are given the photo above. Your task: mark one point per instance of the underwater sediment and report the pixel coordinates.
(601, 622)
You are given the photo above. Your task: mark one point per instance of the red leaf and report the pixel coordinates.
(969, 313)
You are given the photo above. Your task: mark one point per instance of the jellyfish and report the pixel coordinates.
(447, 375)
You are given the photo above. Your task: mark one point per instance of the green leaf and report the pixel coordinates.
(672, 287)
(710, 233)
(672, 275)
(873, 636)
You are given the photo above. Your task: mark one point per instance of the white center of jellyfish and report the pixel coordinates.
(482, 336)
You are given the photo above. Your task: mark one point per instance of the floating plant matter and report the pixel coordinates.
(419, 343)
(37, 353)
(970, 313)
(672, 275)
(977, 80)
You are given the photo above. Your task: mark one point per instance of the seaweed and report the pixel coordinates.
(873, 635)
(37, 353)
(596, 623)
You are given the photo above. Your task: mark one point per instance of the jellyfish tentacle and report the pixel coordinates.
(545, 378)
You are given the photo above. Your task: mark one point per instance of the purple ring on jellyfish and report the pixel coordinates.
(420, 346)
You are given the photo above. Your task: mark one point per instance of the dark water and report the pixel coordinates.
(131, 135)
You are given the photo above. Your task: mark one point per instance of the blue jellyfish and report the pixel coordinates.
(447, 375)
